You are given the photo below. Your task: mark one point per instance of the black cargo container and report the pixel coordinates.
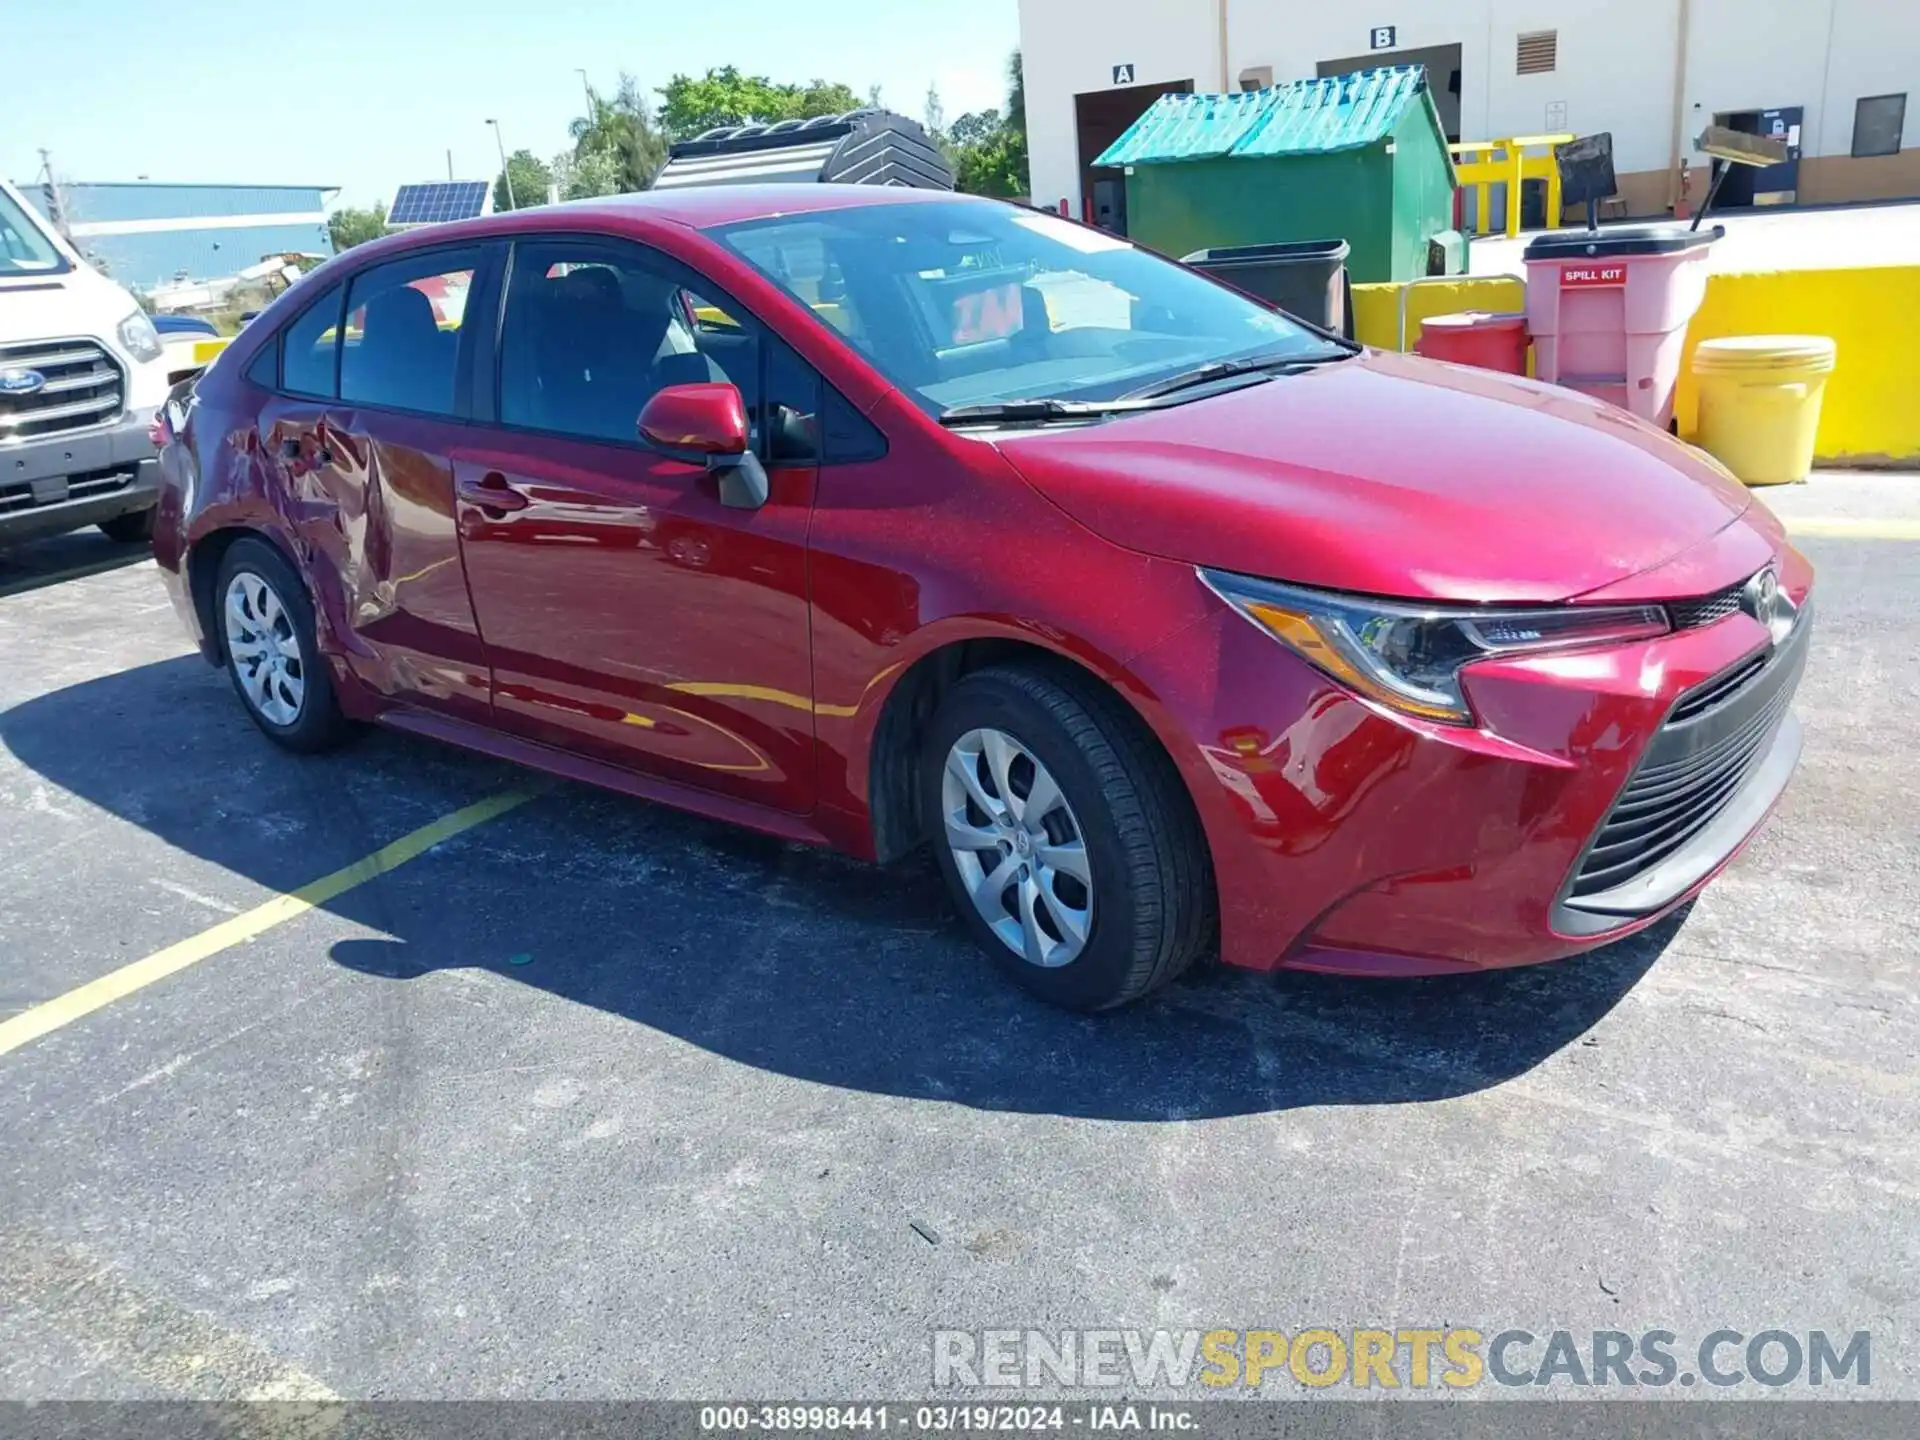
(861, 147)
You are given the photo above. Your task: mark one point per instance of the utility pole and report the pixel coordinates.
(587, 86)
(50, 190)
(449, 163)
(512, 203)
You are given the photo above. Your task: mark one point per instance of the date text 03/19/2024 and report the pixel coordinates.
(945, 1419)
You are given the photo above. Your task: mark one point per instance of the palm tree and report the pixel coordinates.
(620, 132)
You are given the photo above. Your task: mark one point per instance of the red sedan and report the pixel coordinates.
(880, 518)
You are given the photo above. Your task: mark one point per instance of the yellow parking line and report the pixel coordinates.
(1849, 527)
(42, 1019)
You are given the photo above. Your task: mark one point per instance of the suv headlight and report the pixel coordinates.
(137, 335)
(1407, 656)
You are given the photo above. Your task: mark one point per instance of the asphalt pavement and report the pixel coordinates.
(598, 1100)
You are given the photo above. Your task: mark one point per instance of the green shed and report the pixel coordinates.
(1358, 157)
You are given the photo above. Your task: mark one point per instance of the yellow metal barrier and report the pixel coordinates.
(1486, 163)
(1872, 313)
(1379, 310)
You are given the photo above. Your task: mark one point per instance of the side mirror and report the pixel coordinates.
(706, 425)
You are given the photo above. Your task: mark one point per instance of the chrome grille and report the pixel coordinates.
(82, 386)
(1710, 744)
(23, 496)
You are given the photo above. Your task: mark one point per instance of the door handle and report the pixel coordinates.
(491, 492)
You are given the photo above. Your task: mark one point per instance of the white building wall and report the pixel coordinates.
(1071, 46)
(1615, 67)
(1875, 50)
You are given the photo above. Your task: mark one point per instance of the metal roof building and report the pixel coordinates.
(148, 235)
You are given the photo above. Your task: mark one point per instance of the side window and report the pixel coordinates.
(593, 330)
(308, 348)
(402, 340)
(789, 422)
(847, 436)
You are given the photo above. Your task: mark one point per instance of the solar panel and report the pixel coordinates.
(441, 200)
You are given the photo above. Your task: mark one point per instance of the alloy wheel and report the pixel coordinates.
(263, 649)
(1018, 847)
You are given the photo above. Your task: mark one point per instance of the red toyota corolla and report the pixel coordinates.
(876, 518)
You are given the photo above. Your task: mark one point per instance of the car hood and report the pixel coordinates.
(1390, 475)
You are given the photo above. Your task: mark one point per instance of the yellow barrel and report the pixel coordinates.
(1760, 403)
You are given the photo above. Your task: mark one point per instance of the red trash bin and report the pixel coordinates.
(1489, 339)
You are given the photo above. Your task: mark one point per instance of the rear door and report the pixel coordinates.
(375, 378)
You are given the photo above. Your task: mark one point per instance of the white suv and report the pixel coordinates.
(81, 375)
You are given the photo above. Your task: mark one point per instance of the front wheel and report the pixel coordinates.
(1066, 837)
(266, 629)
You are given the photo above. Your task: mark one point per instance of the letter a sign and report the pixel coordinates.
(1123, 74)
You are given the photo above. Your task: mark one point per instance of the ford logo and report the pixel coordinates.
(21, 382)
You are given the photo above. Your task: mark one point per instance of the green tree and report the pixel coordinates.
(529, 176)
(975, 127)
(617, 148)
(726, 97)
(349, 227)
(994, 166)
(989, 149)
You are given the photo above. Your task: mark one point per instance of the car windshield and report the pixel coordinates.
(24, 246)
(965, 303)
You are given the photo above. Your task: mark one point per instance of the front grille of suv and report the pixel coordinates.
(82, 387)
(89, 485)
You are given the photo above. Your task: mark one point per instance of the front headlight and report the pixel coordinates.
(138, 336)
(1409, 656)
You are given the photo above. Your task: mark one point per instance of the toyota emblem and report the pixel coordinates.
(1763, 599)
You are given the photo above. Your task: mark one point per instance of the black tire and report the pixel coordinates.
(1153, 900)
(318, 725)
(133, 528)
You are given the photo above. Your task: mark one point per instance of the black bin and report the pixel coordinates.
(1307, 278)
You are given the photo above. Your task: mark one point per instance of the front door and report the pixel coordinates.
(628, 615)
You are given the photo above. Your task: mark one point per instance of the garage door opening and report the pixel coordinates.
(1746, 186)
(1443, 77)
(1100, 118)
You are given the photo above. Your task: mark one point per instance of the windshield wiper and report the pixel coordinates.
(1265, 366)
(1036, 411)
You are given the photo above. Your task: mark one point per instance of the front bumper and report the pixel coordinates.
(1352, 841)
(64, 482)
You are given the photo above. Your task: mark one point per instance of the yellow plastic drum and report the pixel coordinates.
(1760, 403)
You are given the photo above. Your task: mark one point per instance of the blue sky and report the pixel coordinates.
(367, 94)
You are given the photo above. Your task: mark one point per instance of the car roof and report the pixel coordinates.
(697, 208)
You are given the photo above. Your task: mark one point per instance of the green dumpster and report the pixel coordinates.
(1358, 157)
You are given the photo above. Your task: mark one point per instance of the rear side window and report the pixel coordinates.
(402, 336)
(309, 348)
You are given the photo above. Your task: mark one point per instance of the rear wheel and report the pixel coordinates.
(266, 629)
(133, 528)
(1065, 836)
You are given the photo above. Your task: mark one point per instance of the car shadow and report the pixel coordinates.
(786, 958)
